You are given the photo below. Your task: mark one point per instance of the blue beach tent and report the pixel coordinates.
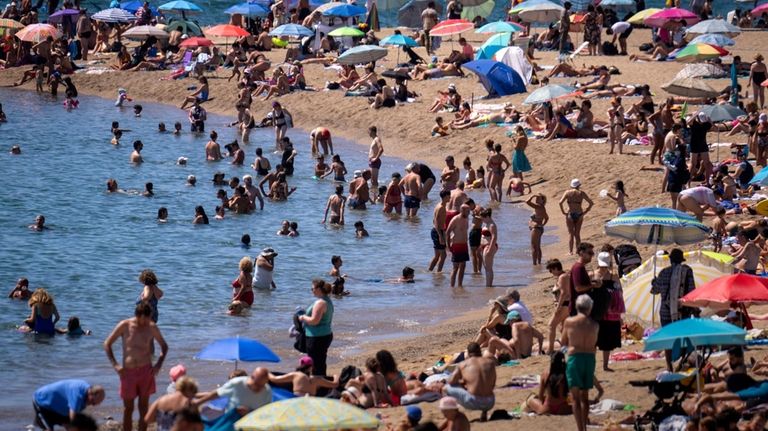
(498, 78)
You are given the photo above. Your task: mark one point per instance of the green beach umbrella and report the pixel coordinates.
(347, 32)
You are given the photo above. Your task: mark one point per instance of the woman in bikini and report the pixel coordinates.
(475, 239)
(489, 244)
(552, 398)
(574, 217)
(394, 378)
(536, 224)
(261, 164)
(280, 121)
(757, 74)
(497, 164)
(279, 190)
(616, 118)
(373, 386)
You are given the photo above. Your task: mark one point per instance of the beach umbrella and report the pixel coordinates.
(671, 15)
(37, 32)
(134, 5)
(719, 113)
(696, 52)
(249, 9)
(182, 6)
(114, 15)
(639, 17)
(372, 18)
(763, 8)
(544, 13)
(760, 178)
(715, 26)
(324, 7)
(345, 10)
(59, 16)
(187, 26)
(713, 39)
(476, 8)
(346, 32)
(530, 3)
(142, 32)
(657, 225)
(398, 40)
(500, 27)
(701, 70)
(722, 292)
(690, 87)
(450, 27)
(693, 333)
(362, 54)
(294, 30)
(706, 266)
(307, 413)
(497, 78)
(618, 4)
(492, 45)
(237, 349)
(548, 93)
(226, 30)
(9, 24)
(194, 42)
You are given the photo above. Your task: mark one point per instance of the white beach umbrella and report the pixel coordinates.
(114, 15)
(689, 87)
(143, 32)
(543, 12)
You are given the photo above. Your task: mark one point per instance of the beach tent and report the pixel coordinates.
(410, 14)
(498, 78)
(514, 57)
(706, 266)
(493, 44)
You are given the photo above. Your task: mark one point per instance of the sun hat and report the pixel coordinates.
(575, 183)
(177, 372)
(306, 361)
(414, 413)
(358, 174)
(512, 315)
(267, 252)
(182, 160)
(448, 403)
(604, 259)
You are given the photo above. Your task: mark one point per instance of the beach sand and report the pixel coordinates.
(405, 131)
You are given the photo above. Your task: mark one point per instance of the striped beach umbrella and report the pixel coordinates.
(143, 32)
(639, 302)
(37, 32)
(10, 24)
(714, 26)
(548, 93)
(639, 17)
(293, 30)
(307, 413)
(657, 225)
(697, 52)
(114, 15)
(450, 27)
(362, 54)
(544, 12)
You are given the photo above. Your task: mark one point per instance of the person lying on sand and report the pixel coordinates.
(436, 70)
(509, 115)
(659, 53)
(304, 383)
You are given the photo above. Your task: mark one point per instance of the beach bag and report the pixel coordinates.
(609, 49)
(348, 373)
(301, 336)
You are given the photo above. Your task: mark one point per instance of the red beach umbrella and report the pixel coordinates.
(226, 30)
(724, 291)
(194, 42)
(451, 26)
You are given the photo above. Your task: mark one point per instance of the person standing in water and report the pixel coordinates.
(136, 154)
(412, 193)
(574, 217)
(336, 204)
(150, 294)
(137, 373)
(489, 245)
(265, 267)
(456, 238)
(438, 232)
(374, 158)
(536, 224)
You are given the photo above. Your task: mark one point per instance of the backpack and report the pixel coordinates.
(626, 255)
(348, 373)
(609, 49)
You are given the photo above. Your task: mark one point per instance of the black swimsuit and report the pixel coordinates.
(758, 77)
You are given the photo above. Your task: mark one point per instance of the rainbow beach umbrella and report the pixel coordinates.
(639, 17)
(696, 52)
(307, 413)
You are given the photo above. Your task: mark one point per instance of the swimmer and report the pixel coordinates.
(236, 308)
(245, 241)
(112, 186)
(392, 195)
(294, 229)
(360, 231)
(212, 148)
(408, 275)
(161, 128)
(218, 179)
(285, 229)
(219, 212)
(116, 137)
(337, 286)
(321, 168)
(177, 128)
(200, 216)
(15, 150)
(162, 215)
(148, 190)
(517, 187)
(337, 168)
(137, 110)
(191, 180)
(73, 328)
(21, 290)
(336, 204)
(39, 225)
(136, 154)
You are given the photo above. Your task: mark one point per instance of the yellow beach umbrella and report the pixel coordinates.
(706, 266)
(307, 413)
(639, 17)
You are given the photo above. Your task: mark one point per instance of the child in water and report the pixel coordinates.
(116, 135)
(161, 127)
(380, 197)
(245, 241)
(360, 231)
(177, 128)
(408, 275)
(73, 328)
(21, 290)
(137, 110)
(393, 196)
(321, 168)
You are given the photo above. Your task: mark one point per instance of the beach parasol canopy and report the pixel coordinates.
(345, 10)
(492, 45)
(693, 333)
(696, 52)
(60, 15)
(760, 178)
(293, 30)
(194, 42)
(530, 3)
(545, 12)
(307, 413)
(398, 40)
(514, 57)
(362, 54)
(657, 225)
(249, 9)
(689, 87)
(450, 27)
(142, 32)
(672, 15)
(713, 39)
(226, 30)
(639, 17)
(134, 5)
(37, 32)
(476, 8)
(324, 7)
(640, 304)
(346, 32)
(758, 11)
(618, 4)
(500, 27)
(497, 78)
(237, 349)
(9, 24)
(548, 93)
(715, 26)
(721, 293)
(182, 6)
(719, 113)
(114, 15)
(701, 70)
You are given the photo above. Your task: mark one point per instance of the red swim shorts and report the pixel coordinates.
(459, 252)
(137, 382)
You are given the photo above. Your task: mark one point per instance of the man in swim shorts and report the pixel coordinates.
(336, 206)
(374, 158)
(456, 236)
(580, 335)
(438, 232)
(137, 374)
(458, 198)
(473, 381)
(359, 194)
(411, 193)
(321, 136)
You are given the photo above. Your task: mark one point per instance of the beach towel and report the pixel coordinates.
(526, 381)
(225, 422)
(606, 406)
(427, 397)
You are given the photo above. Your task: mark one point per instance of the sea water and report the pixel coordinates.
(98, 243)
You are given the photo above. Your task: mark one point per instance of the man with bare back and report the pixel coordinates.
(456, 237)
(473, 381)
(411, 193)
(580, 335)
(137, 374)
(438, 232)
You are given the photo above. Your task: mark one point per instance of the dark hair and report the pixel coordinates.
(339, 189)
(567, 5)
(245, 239)
(473, 349)
(386, 361)
(372, 364)
(584, 246)
(408, 272)
(620, 187)
(143, 309)
(556, 374)
(554, 264)
(74, 323)
(335, 259)
(259, 151)
(319, 283)
(148, 277)
(444, 193)
(136, 145)
(188, 414)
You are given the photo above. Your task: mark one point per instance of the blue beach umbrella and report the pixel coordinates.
(292, 30)
(547, 93)
(237, 349)
(693, 333)
(499, 27)
(493, 44)
(249, 9)
(134, 5)
(657, 225)
(362, 54)
(182, 6)
(498, 78)
(398, 40)
(713, 39)
(345, 10)
(761, 178)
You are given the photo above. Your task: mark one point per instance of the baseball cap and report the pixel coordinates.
(575, 183)
(306, 361)
(448, 403)
(414, 413)
(604, 259)
(512, 315)
(177, 372)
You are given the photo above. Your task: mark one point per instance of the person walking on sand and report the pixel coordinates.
(580, 335)
(317, 323)
(496, 165)
(562, 290)
(456, 238)
(438, 232)
(609, 335)
(473, 381)
(336, 204)
(374, 158)
(137, 374)
(574, 217)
